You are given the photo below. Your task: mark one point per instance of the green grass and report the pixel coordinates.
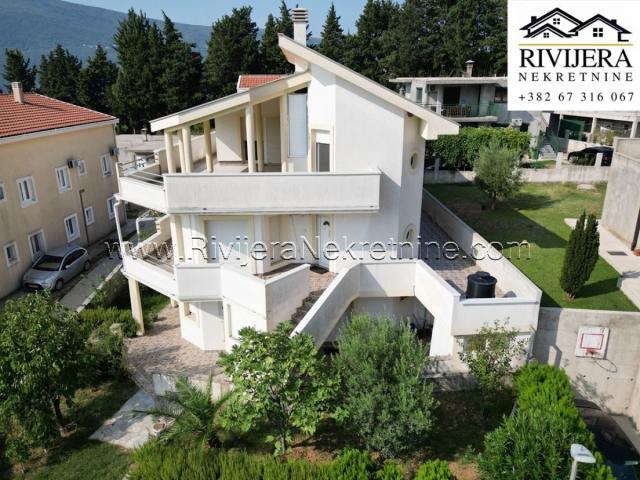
(537, 215)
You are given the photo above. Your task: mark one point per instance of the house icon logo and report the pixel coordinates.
(557, 25)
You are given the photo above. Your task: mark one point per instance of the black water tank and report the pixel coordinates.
(481, 285)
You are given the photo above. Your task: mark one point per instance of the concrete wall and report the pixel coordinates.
(622, 203)
(611, 382)
(39, 158)
(564, 174)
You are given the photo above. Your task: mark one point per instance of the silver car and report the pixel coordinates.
(56, 267)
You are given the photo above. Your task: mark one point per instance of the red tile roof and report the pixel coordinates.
(250, 81)
(39, 113)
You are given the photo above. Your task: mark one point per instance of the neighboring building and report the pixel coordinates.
(595, 127)
(323, 159)
(468, 100)
(57, 179)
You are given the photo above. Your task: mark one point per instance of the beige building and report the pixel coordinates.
(57, 179)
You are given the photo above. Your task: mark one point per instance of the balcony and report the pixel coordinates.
(486, 112)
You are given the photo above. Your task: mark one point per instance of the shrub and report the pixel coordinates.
(497, 172)
(354, 465)
(278, 379)
(106, 349)
(460, 151)
(390, 471)
(97, 317)
(435, 470)
(580, 255)
(110, 292)
(385, 400)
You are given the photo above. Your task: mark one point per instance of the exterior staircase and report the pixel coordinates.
(546, 151)
(320, 279)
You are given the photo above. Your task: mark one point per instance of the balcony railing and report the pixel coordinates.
(465, 110)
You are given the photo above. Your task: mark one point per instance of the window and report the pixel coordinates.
(27, 190)
(3, 195)
(111, 207)
(419, 91)
(500, 95)
(37, 244)
(11, 253)
(71, 227)
(105, 163)
(545, 35)
(89, 218)
(82, 167)
(64, 181)
(556, 20)
(598, 32)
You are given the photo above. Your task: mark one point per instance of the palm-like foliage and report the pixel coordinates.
(195, 413)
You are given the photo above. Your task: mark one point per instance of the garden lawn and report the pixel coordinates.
(77, 457)
(537, 215)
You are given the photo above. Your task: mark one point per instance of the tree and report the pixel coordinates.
(497, 172)
(285, 23)
(279, 379)
(580, 255)
(42, 353)
(332, 43)
(385, 401)
(231, 51)
(17, 69)
(182, 72)
(366, 48)
(272, 59)
(135, 92)
(489, 354)
(95, 82)
(59, 72)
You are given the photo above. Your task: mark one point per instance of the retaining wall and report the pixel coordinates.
(564, 174)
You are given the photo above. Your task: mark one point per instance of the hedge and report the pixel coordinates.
(460, 151)
(534, 442)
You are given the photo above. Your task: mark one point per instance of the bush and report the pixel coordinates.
(460, 151)
(390, 471)
(435, 470)
(497, 172)
(98, 317)
(385, 400)
(354, 465)
(580, 255)
(534, 443)
(110, 292)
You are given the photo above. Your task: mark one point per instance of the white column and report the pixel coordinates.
(251, 136)
(186, 141)
(599, 159)
(136, 305)
(168, 146)
(634, 129)
(208, 151)
(176, 238)
(183, 167)
(284, 133)
(259, 139)
(594, 125)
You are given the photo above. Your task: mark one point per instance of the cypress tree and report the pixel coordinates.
(59, 73)
(232, 50)
(332, 43)
(581, 255)
(17, 69)
(182, 73)
(270, 53)
(95, 82)
(284, 23)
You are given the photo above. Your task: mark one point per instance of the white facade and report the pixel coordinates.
(337, 159)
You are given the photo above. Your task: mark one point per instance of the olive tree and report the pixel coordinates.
(42, 357)
(497, 172)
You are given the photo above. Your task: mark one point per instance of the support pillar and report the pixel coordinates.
(186, 140)
(634, 129)
(136, 305)
(168, 146)
(208, 151)
(251, 136)
(284, 134)
(183, 167)
(599, 159)
(559, 159)
(259, 139)
(173, 302)
(594, 126)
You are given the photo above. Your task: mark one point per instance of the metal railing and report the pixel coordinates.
(142, 169)
(464, 110)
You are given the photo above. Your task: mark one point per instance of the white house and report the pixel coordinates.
(302, 200)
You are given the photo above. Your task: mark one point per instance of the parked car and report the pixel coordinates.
(587, 156)
(611, 440)
(56, 267)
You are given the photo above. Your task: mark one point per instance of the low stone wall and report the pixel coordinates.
(564, 174)
(611, 382)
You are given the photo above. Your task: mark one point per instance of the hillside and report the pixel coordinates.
(35, 26)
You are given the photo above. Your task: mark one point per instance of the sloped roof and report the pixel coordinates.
(251, 81)
(549, 14)
(547, 27)
(597, 17)
(39, 113)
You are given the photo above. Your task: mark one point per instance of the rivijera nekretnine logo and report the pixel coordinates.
(574, 55)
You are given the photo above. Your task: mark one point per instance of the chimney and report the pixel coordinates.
(533, 18)
(18, 94)
(300, 17)
(468, 72)
(614, 21)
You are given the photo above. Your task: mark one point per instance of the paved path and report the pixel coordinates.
(83, 292)
(622, 259)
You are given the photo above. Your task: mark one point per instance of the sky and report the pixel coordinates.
(204, 12)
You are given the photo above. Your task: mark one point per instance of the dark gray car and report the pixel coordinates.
(56, 267)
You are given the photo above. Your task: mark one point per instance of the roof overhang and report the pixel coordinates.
(56, 131)
(501, 81)
(231, 103)
(432, 124)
